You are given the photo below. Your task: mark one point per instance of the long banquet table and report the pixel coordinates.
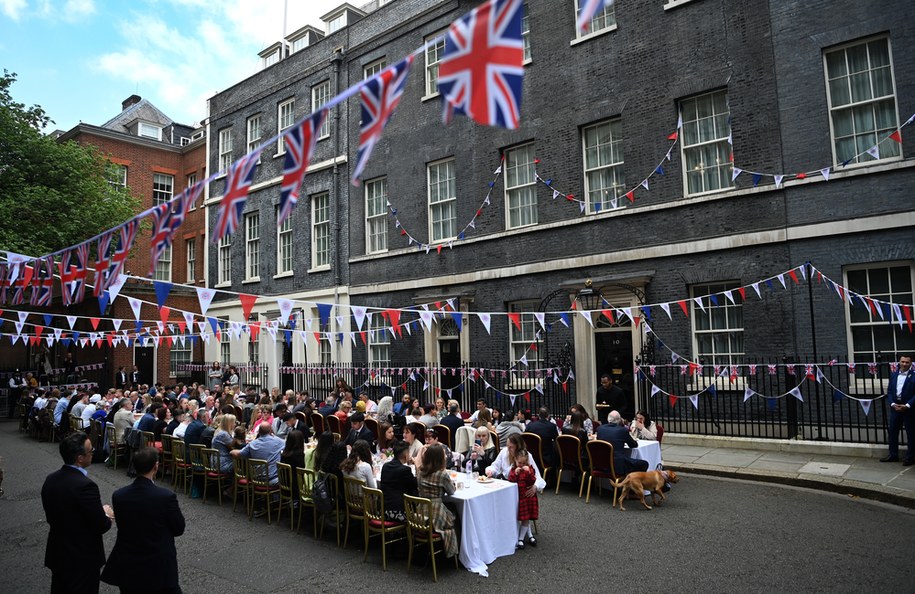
(488, 513)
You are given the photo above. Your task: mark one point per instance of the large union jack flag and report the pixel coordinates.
(161, 236)
(380, 96)
(102, 261)
(238, 183)
(300, 146)
(483, 64)
(43, 287)
(588, 9)
(128, 233)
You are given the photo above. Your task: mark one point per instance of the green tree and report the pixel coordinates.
(52, 194)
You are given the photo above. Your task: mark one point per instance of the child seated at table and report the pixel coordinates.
(528, 505)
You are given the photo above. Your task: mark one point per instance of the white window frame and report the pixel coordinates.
(191, 251)
(526, 32)
(300, 43)
(520, 341)
(379, 343)
(253, 131)
(225, 345)
(720, 122)
(191, 180)
(163, 270)
(157, 131)
(376, 219)
(613, 167)
(893, 295)
(373, 68)
(606, 19)
(180, 353)
(320, 231)
(254, 344)
(163, 188)
(731, 356)
(441, 191)
(224, 260)
(272, 58)
(889, 149)
(513, 191)
(336, 23)
(116, 175)
(285, 118)
(252, 246)
(434, 52)
(320, 94)
(225, 150)
(284, 243)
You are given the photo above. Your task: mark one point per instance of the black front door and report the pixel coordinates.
(449, 356)
(613, 351)
(144, 357)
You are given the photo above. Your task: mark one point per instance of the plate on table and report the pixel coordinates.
(484, 479)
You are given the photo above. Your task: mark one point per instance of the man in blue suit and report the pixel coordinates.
(144, 557)
(900, 393)
(616, 433)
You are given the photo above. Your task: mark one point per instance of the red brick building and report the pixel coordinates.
(156, 158)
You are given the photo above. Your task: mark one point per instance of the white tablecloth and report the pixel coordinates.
(648, 450)
(489, 521)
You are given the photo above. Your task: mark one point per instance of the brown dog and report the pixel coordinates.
(639, 482)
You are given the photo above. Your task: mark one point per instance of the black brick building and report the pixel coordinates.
(783, 87)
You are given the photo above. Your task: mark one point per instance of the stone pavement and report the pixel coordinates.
(852, 469)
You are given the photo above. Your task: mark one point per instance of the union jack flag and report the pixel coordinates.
(161, 236)
(300, 146)
(5, 271)
(43, 287)
(588, 9)
(482, 66)
(380, 96)
(128, 232)
(81, 272)
(20, 283)
(102, 262)
(238, 183)
(67, 272)
(182, 205)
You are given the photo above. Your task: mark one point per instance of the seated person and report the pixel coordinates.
(359, 464)
(643, 427)
(483, 452)
(616, 433)
(432, 438)
(396, 481)
(508, 426)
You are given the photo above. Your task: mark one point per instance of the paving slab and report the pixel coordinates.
(738, 458)
(775, 465)
(824, 468)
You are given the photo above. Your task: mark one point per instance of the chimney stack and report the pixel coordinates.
(132, 100)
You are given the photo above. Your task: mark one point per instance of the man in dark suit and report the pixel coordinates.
(120, 378)
(358, 430)
(616, 433)
(900, 393)
(144, 557)
(77, 518)
(548, 432)
(135, 377)
(453, 421)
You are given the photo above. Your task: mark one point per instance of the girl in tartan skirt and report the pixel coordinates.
(528, 506)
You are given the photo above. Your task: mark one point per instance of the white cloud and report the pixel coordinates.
(77, 10)
(12, 8)
(182, 51)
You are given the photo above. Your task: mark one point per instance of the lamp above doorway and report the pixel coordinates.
(589, 298)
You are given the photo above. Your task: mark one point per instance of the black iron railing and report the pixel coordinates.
(771, 398)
